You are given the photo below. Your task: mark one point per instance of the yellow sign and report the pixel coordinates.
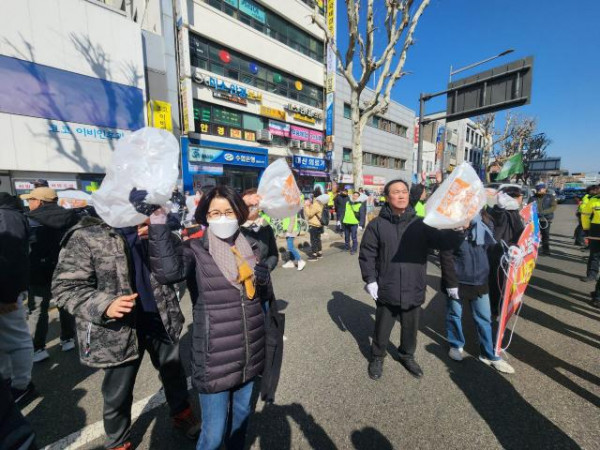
(272, 112)
(304, 118)
(159, 115)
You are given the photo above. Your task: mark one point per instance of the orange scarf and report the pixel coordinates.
(245, 273)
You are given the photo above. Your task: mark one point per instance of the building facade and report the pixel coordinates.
(387, 142)
(71, 85)
(252, 77)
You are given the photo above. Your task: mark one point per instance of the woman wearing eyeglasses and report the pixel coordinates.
(228, 336)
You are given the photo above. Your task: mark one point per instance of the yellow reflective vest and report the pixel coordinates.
(590, 213)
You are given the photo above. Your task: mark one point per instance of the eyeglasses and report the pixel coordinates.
(214, 214)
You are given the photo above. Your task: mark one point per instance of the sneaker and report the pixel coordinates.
(456, 353)
(352, 252)
(376, 368)
(125, 446)
(319, 255)
(312, 258)
(289, 265)
(301, 264)
(413, 368)
(21, 394)
(187, 422)
(500, 365)
(40, 355)
(67, 345)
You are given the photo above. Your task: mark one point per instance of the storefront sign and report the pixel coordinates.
(373, 180)
(346, 178)
(53, 184)
(225, 131)
(84, 131)
(206, 169)
(304, 111)
(306, 119)
(279, 128)
(331, 64)
(232, 89)
(230, 98)
(253, 10)
(159, 115)
(272, 112)
(211, 155)
(306, 134)
(306, 162)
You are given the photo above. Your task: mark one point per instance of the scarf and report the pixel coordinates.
(480, 233)
(235, 259)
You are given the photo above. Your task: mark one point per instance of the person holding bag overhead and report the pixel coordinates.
(313, 211)
(226, 280)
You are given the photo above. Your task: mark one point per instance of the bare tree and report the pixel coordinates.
(400, 22)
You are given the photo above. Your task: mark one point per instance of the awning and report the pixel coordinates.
(311, 173)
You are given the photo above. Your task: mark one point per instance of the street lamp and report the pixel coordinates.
(470, 66)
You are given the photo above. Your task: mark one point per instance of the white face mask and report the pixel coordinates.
(507, 202)
(223, 227)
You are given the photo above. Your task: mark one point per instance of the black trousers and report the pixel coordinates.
(593, 264)
(385, 318)
(545, 232)
(315, 238)
(117, 387)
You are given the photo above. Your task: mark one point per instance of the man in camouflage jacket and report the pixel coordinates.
(95, 280)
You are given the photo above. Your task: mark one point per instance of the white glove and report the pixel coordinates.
(360, 228)
(339, 224)
(372, 289)
(452, 293)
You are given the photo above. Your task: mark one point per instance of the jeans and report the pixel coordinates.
(348, 231)
(480, 307)
(16, 347)
(235, 404)
(315, 239)
(294, 253)
(385, 318)
(119, 381)
(39, 303)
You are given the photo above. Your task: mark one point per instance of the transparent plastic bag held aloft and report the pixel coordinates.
(280, 196)
(458, 199)
(146, 159)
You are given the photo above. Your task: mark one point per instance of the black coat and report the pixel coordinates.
(508, 225)
(14, 249)
(339, 203)
(48, 225)
(393, 252)
(264, 242)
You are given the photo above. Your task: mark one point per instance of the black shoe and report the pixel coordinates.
(587, 279)
(312, 258)
(20, 394)
(353, 252)
(319, 255)
(412, 366)
(376, 368)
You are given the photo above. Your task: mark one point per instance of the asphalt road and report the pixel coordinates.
(326, 400)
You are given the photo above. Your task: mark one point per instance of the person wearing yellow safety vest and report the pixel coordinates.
(354, 219)
(579, 234)
(292, 229)
(418, 194)
(590, 222)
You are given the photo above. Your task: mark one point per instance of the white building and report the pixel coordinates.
(387, 142)
(71, 84)
(252, 76)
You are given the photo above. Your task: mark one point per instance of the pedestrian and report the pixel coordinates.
(353, 220)
(15, 431)
(590, 222)
(591, 191)
(508, 227)
(104, 279)
(393, 263)
(546, 205)
(370, 206)
(340, 204)
(292, 229)
(465, 274)
(228, 335)
(40, 182)
(16, 347)
(313, 211)
(418, 194)
(48, 223)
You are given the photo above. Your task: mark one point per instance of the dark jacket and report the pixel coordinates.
(339, 203)
(508, 225)
(228, 334)
(264, 241)
(94, 268)
(48, 224)
(546, 206)
(14, 249)
(393, 252)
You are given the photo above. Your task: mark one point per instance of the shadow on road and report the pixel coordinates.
(370, 439)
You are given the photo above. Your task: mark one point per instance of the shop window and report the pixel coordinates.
(367, 158)
(232, 73)
(252, 122)
(279, 141)
(217, 68)
(247, 78)
(347, 155)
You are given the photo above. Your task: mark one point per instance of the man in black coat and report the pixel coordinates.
(339, 203)
(393, 262)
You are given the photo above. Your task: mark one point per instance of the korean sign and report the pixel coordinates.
(306, 162)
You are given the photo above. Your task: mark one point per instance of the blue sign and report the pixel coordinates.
(202, 155)
(308, 163)
(253, 10)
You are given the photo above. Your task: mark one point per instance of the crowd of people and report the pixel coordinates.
(117, 292)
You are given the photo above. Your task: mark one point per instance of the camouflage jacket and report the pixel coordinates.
(93, 270)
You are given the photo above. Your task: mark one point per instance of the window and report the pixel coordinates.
(347, 155)
(254, 123)
(347, 111)
(367, 158)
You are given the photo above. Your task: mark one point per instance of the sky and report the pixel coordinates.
(563, 37)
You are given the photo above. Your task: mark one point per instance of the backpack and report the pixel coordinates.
(325, 216)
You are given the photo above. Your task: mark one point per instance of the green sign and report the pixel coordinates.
(253, 10)
(227, 116)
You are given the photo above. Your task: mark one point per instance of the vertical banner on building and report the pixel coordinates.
(330, 77)
(159, 115)
(440, 142)
(520, 269)
(185, 67)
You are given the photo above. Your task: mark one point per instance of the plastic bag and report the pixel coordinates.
(280, 196)
(458, 199)
(323, 199)
(146, 159)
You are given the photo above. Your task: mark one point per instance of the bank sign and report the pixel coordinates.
(308, 163)
(201, 155)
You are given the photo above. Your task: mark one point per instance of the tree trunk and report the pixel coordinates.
(357, 130)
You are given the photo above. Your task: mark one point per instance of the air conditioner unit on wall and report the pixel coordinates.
(264, 135)
(305, 145)
(295, 143)
(316, 148)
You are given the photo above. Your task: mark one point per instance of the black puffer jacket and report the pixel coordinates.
(263, 241)
(393, 252)
(508, 225)
(48, 225)
(14, 249)
(228, 335)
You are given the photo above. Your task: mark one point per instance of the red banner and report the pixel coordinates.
(520, 269)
